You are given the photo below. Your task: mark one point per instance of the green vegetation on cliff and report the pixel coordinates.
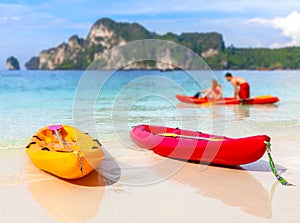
(256, 58)
(105, 33)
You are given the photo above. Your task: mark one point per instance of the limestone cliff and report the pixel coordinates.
(54, 57)
(105, 34)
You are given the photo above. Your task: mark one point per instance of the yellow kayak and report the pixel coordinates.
(64, 151)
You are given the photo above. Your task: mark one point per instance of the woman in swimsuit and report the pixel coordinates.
(215, 92)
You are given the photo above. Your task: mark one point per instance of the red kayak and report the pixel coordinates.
(266, 99)
(196, 146)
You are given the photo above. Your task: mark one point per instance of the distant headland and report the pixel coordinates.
(78, 52)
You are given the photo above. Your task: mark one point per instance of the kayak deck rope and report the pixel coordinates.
(273, 167)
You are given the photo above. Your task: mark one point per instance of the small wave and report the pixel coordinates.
(9, 145)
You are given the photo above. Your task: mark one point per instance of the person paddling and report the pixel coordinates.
(215, 92)
(241, 86)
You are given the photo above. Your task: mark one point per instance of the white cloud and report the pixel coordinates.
(289, 26)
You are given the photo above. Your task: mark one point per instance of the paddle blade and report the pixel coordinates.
(263, 97)
(206, 104)
(55, 127)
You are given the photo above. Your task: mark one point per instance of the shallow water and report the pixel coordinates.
(30, 100)
(137, 179)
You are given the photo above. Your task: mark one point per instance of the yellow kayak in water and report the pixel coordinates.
(64, 151)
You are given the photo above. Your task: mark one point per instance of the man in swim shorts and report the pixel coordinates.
(241, 86)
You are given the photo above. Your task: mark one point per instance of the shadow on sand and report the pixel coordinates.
(76, 200)
(233, 186)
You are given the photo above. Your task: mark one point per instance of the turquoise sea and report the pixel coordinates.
(30, 100)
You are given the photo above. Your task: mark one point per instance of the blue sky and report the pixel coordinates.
(28, 26)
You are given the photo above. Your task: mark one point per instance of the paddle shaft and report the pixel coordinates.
(64, 144)
(59, 139)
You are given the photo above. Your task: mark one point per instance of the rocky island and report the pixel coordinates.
(12, 63)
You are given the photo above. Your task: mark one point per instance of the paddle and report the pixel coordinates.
(263, 97)
(189, 137)
(55, 128)
(222, 102)
(206, 104)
